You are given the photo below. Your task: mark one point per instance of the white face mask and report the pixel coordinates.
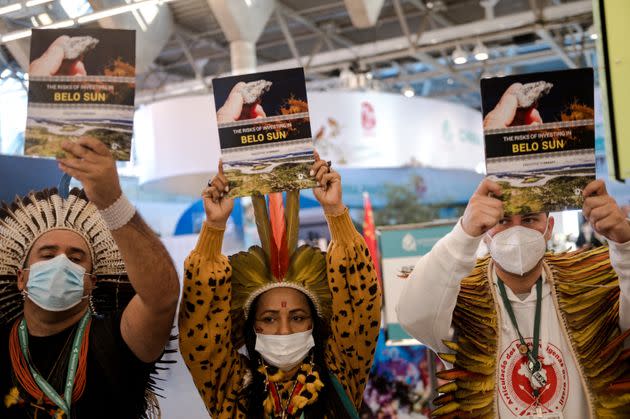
(518, 249)
(284, 351)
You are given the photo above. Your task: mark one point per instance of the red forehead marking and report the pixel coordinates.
(283, 304)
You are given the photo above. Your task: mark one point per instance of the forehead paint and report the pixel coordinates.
(283, 304)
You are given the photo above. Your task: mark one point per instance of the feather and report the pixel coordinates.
(279, 251)
(291, 214)
(262, 223)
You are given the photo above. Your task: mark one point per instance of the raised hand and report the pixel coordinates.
(483, 211)
(602, 211)
(217, 205)
(91, 163)
(328, 191)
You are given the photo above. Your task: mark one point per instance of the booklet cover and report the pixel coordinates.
(540, 138)
(81, 83)
(264, 131)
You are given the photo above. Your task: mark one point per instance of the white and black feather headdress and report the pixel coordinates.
(26, 219)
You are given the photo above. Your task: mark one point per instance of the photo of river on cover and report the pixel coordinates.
(535, 191)
(44, 136)
(275, 174)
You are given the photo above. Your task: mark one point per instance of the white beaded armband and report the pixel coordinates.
(119, 213)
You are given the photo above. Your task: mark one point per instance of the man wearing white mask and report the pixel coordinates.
(87, 298)
(528, 333)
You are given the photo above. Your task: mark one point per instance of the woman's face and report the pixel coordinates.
(282, 311)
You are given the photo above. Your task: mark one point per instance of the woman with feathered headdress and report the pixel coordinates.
(309, 320)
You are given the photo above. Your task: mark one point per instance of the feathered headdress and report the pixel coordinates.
(278, 262)
(28, 218)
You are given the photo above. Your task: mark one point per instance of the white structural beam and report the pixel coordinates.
(292, 14)
(399, 46)
(364, 13)
(288, 37)
(423, 56)
(436, 36)
(242, 23)
(92, 17)
(557, 48)
(436, 16)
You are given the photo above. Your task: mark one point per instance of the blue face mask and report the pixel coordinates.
(55, 284)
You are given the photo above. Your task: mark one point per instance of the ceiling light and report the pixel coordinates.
(5, 73)
(408, 91)
(32, 3)
(459, 55)
(63, 24)
(114, 11)
(75, 8)
(480, 52)
(34, 22)
(10, 8)
(13, 36)
(44, 19)
(592, 32)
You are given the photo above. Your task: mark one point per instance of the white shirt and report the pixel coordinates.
(563, 391)
(426, 307)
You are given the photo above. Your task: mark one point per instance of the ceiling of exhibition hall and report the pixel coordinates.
(420, 47)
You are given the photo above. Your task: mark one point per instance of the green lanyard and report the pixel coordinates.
(63, 403)
(537, 379)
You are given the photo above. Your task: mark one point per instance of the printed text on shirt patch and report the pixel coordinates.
(516, 390)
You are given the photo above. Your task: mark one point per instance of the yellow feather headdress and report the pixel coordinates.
(278, 262)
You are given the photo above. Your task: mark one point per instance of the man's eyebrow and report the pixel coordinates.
(77, 250)
(48, 247)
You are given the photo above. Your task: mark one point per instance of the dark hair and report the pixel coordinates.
(328, 403)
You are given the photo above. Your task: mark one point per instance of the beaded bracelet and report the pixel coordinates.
(119, 213)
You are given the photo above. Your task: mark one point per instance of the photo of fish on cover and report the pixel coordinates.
(540, 138)
(264, 132)
(82, 83)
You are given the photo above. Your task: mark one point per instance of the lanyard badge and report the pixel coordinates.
(536, 378)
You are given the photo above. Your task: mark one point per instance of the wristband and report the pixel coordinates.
(119, 213)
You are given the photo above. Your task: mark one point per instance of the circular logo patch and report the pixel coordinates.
(516, 390)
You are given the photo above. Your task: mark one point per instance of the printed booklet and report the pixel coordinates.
(540, 138)
(81, 83)
(264, 131)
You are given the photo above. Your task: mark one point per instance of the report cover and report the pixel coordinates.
(540, 138)
(264, 131)
(81, 83)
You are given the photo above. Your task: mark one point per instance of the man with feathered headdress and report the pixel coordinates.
(308, 320)
(74, 339)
